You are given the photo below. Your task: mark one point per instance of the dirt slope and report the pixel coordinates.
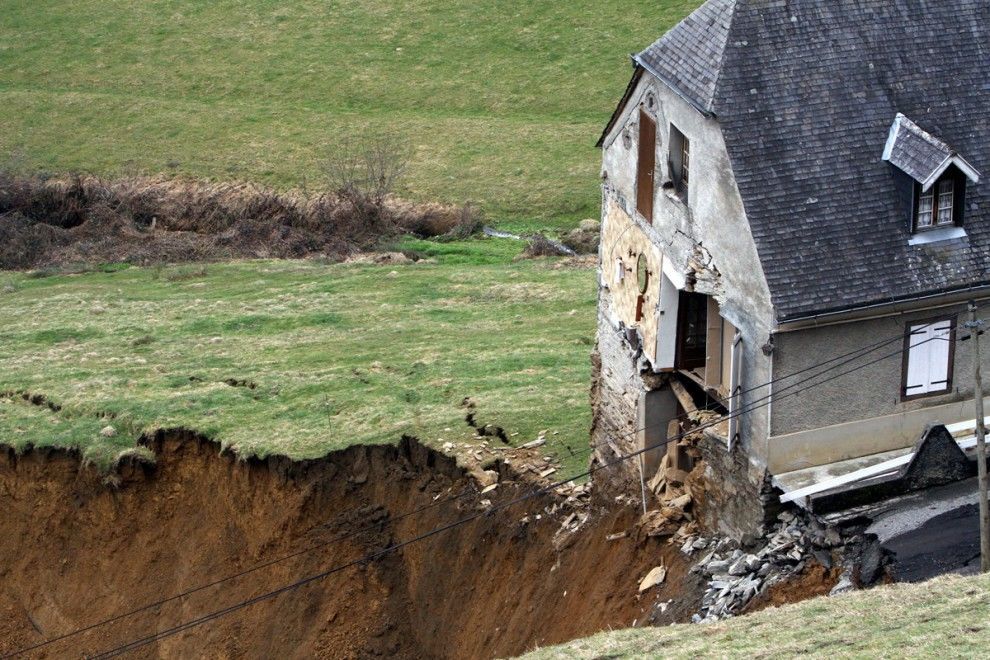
(75, 550)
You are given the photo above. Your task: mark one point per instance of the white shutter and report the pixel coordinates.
(735, 388)
(929, 349)
(938, 356)
(918, 359)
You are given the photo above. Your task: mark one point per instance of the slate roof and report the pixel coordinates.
(689, 57)
(919, 154)
(805, 92)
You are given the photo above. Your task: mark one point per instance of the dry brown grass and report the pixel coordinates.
(146, 220)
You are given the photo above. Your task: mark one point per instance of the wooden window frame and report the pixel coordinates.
(955, 210)
(679, 163)
(949, 373)
(685, 178)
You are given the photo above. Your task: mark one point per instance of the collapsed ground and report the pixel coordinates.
(185, 514)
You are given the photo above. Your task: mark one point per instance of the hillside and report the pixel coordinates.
(500, 102)
(300, 357)
(946, 617)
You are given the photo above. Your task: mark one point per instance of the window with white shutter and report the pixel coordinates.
(928, 355)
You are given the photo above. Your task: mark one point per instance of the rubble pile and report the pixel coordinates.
(735, 576)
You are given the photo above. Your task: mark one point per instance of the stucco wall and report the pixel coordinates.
(706, 242)
(868, 393)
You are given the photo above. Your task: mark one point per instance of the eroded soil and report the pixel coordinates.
(78, 548)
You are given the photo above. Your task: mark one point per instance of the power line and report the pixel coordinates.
(751, 406)
(373, 556)
(247, 571)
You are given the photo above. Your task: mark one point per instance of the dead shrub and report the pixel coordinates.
(365, 174)
(79, 219)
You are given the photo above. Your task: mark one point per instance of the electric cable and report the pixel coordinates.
(458, 497)
(489, 511)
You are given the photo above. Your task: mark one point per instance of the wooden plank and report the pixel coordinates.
(683, 397)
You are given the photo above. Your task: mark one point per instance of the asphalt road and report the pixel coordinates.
(933, 533)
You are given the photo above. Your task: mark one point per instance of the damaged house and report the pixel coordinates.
(793, 221)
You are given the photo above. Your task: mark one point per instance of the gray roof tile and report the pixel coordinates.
(916, 152)
(830, 77)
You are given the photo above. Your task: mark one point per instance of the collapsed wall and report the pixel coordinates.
(79, 547)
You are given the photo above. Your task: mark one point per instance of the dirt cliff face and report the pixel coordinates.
(76, 549)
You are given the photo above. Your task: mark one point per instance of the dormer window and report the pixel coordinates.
(935, 206)
(939, 174)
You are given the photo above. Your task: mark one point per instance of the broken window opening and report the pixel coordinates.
(692, 331)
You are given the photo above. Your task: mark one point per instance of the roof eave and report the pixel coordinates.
(953, 159)
(637, 73)
(694, 103)
(854, 313)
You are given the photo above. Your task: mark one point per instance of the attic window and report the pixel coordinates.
(940, 175)
(931, 214)
(941, 205)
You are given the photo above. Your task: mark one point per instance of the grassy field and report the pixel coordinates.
(338, 354)
(948, 617)
(501, 102)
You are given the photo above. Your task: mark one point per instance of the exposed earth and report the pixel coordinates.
(82, 547)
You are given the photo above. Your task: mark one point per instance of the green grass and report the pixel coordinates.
(948, 617)
(501, 101)
(340, 354)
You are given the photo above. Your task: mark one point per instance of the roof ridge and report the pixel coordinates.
(721, 56)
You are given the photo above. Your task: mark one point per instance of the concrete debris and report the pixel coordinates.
(539, 442)
(571, 524)
(844, 584)
(653, 578)
(488, 489)
(616, 536)
(547, 472)
(735, 577)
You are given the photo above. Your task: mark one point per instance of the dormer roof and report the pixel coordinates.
(804, 93)
(921, 155)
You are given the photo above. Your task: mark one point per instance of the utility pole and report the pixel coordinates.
(981, 447)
